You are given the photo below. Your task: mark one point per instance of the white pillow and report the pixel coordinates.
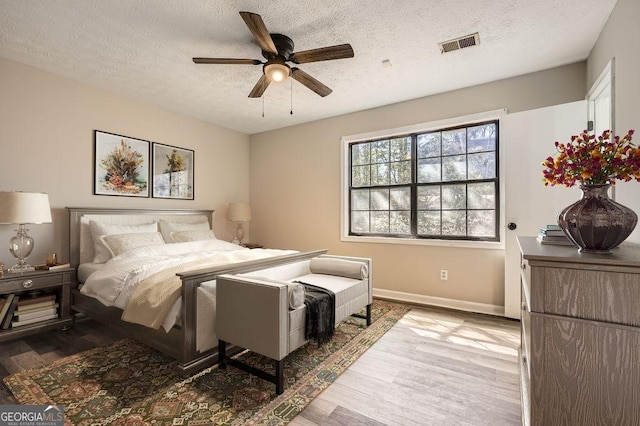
(166, 228)
(99, 229)
(195, 235)
(296, 295)
(340, 267)
(295, 290)
(119, 243)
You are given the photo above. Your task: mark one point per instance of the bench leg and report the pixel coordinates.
(366, 317)
(222, 354)
(279, 378)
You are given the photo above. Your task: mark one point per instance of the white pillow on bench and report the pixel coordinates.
(340, 267)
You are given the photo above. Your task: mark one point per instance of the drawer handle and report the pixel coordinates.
(524, 360)
(27, 283)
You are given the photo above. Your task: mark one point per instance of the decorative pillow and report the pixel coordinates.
(195, 235)
(98, 229)
(340, 267)
(295, 291)
(119, 243)
(296, 295)
(166, 228)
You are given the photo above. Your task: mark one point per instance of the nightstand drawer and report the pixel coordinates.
(27, 283)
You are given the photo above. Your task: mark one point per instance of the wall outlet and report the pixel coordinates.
(444, 274)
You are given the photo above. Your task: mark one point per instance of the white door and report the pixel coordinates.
(526, 139)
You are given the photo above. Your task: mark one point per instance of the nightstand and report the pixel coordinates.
(56, 282)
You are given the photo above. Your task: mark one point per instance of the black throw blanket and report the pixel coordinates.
(321, 313)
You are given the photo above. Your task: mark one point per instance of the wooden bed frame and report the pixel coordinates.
(180, 341)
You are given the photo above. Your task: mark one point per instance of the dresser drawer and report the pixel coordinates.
(592, 295)
(27, 283)
(584, 373)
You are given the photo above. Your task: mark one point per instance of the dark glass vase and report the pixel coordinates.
(596, 223)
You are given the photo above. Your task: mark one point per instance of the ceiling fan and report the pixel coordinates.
(277, 49)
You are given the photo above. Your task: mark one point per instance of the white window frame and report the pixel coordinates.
(345, 173)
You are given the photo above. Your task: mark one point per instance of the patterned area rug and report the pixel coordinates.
(128, 383)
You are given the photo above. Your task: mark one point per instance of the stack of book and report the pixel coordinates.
(17, 311)
(553, 234)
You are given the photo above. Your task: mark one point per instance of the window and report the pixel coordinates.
(437, 184)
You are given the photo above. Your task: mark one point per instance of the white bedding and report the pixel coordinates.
(114, 282)
(86, 269)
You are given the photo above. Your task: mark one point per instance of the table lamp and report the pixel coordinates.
(21, 208)
(239, 213)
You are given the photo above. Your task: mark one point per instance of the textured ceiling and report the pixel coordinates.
(143, 49)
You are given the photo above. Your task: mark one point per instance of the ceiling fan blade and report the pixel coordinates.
(259, 31)
(339, 51)
(260, 87)
(313, 84)
(226, 61)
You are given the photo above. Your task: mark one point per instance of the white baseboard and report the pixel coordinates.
(442, 302)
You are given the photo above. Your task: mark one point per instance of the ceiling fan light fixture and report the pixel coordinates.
(277, 49)
(277, 72)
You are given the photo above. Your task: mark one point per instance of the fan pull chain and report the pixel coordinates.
(262, 105)
(291, 91)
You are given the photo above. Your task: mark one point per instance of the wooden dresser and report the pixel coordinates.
(580, 350)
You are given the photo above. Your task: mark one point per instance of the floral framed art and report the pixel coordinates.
(172, 172)
(121, 165)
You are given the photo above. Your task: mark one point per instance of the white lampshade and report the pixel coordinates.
(24, 207)
(239, 212)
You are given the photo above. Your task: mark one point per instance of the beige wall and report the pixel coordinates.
(295, 186)
(46, 141)
(620, 39)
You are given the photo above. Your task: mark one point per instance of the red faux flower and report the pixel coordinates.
(590, 160)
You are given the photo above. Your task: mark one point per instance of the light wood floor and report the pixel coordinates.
(434, 367)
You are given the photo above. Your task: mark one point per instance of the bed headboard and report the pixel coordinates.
(81, 244)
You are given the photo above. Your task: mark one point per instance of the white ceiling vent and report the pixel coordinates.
(459, 43)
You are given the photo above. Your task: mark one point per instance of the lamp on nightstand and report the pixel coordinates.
(239, 213)
(21, 208)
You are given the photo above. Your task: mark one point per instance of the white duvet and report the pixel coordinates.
(114, 282)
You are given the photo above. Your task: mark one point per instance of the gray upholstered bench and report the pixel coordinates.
(261, 310)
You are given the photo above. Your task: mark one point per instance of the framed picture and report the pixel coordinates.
(121, 165)
(172, 172)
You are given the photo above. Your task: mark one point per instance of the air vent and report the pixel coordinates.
(459, 43)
